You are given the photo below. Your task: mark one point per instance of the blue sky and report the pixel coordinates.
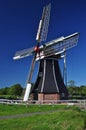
(19, 21)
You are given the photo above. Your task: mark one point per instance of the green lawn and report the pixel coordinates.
(20, 109)
(62, 119)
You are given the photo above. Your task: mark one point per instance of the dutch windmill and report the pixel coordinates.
(49, 83)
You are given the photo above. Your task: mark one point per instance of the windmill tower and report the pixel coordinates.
(49, 84)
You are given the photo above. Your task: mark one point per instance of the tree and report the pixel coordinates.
(4, 91)
(71, 83)
(16, 90)
(83, 90)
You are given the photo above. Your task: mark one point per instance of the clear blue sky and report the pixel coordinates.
(19, 21)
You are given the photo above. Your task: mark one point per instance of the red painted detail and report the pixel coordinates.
(36, 48)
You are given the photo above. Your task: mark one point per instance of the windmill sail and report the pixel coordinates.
(53, 47)
(58, 46)
(23, 53)
(43, 24)
(66, 43)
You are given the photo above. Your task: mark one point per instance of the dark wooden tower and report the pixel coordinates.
(49, 84)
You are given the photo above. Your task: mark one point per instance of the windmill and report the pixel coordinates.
(48, 54)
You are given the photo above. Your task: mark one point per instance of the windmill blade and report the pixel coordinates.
(46, 19)
(58, 46)
(23, 53)
(43, 24)
(32, 68)
(62, 43)
(28, 86)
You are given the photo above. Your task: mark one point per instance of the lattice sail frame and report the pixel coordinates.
(43, 24)
(53, 47)
(58, 46)
(23, 53)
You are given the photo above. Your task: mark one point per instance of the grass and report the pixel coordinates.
(71, 119)
(20, 109)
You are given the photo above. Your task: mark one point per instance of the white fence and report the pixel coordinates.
(80, 103)
(7, 101)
